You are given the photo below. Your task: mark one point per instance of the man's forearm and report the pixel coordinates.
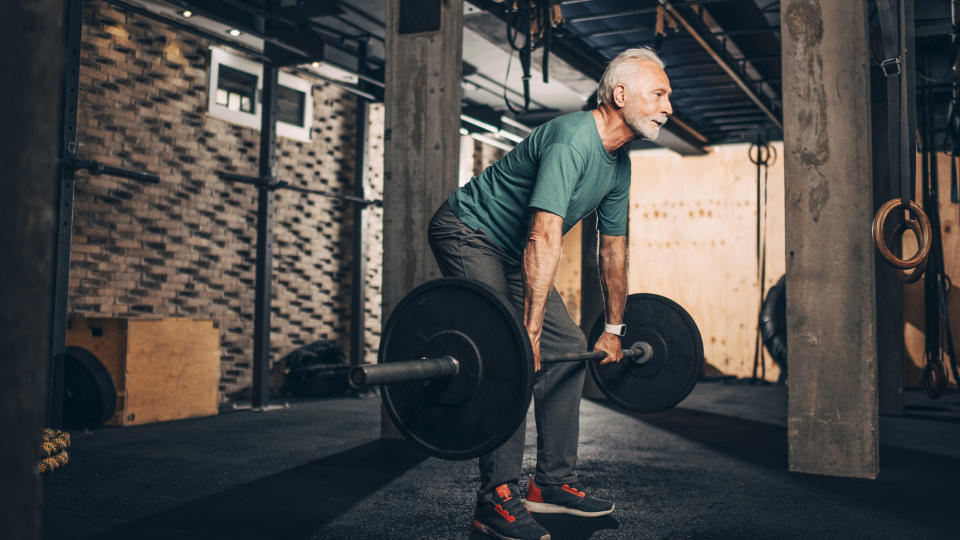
(541, 259)
(613, 277)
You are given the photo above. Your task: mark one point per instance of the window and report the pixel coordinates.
(290, 104)
(236, 90)
(294, 107)
(235, 95)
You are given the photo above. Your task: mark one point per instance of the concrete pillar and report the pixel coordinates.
(832, 411)
(31, 41)
(424, 42)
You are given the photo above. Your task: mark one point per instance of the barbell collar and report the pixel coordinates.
(424, 369)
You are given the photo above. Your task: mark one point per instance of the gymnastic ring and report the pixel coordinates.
(914, 275)
(766, 154)
(924, 238)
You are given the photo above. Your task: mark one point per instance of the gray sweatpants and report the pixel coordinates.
(463, 252)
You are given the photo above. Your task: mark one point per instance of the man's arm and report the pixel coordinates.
(541, 258)
(613, 282)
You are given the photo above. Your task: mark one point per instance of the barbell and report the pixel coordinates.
(456, 366)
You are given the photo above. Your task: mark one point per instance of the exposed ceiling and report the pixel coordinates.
(722, 56)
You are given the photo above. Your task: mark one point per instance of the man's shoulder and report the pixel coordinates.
(570, 131)
(571, 128)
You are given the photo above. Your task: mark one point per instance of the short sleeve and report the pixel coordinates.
(613, 209)
(561, 166)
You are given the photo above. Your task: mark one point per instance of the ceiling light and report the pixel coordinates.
(234, 32)
(510, 136)
(315, 64)
(479, 123)
(187, 13)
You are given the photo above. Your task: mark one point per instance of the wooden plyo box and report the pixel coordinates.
(163, 369)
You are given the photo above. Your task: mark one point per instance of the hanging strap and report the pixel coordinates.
(891, 15)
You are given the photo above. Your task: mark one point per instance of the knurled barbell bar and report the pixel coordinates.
(456, 367)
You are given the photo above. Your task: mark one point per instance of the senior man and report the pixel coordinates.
(504, 228)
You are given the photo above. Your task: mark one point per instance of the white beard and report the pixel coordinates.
(642, 126)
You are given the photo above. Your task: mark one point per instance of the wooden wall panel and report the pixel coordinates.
(693, 239)
(568, 276)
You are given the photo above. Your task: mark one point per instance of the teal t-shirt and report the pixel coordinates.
(561, 167)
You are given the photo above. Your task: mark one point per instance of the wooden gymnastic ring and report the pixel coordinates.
(924, 237)
(910, 276)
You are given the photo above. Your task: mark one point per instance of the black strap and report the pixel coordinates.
(763, 161)
(891, 15)
(519, 24)
(937, 333)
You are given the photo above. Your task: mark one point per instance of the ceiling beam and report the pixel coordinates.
(718, 57)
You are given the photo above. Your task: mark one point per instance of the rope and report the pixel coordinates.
(54, 450)
(766, 156)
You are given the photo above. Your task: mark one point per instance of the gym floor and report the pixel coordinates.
(716, 467)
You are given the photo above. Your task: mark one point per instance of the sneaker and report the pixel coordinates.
(565, 499)
(506, 517)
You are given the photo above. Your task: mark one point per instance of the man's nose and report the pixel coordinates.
(667, 107)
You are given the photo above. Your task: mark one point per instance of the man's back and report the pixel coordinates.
(561, 167)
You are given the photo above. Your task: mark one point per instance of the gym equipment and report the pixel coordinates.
(456, 365)
(89, 395)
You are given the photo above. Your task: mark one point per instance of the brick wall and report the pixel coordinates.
(374, 230)
(185, 247)
(484, 155)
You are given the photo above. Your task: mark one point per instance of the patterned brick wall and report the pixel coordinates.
(185, 247)
(374, 230)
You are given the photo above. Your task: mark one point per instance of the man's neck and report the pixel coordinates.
(614, 132)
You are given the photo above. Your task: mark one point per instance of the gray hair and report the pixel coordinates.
(620, 70)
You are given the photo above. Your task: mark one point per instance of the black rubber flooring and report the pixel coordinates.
(317, 470)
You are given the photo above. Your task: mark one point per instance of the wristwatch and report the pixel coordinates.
(616, 329)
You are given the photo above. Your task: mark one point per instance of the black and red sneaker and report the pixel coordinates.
(506, 518)
(565, 499)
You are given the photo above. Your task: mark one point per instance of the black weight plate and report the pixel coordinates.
(461, 428)
(89, 396)
(677, 362)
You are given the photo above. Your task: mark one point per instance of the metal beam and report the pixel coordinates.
(735, 113)
(69, 103)
(697, 77)
(713, 63)
(721, 61)
(734, 100)
(636, 11)
(359, 266)
(299, 43)
(265, 217)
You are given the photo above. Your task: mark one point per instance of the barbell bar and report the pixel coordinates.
(425, 369)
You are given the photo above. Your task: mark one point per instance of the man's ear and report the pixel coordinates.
(620, 95)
